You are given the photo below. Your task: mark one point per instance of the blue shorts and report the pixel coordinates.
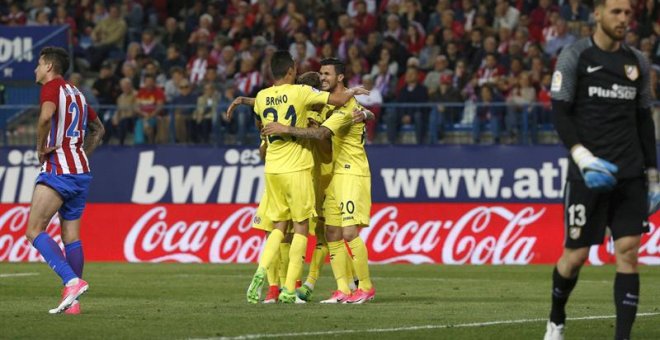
(72, 188)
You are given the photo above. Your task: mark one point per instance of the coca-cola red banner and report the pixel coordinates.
(447, 233)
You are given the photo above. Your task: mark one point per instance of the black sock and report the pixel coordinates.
(626, 297)
(561, 290)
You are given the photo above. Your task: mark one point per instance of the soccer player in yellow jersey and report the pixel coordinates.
(288, 169)
(347, 204)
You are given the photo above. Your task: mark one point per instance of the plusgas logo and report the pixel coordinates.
(616, 92)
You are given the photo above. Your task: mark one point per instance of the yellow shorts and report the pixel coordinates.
(290, 196)
(348, 201)
(260, 220)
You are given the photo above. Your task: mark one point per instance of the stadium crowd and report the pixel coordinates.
(164, 71)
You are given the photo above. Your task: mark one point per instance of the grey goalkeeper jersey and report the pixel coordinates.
(604, 90)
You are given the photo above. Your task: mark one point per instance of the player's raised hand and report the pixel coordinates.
(358, 90)
(274, 129)
(43, 154)
(232, 107)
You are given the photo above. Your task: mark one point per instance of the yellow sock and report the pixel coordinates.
(272, 272)
(361, 262)
(350, 268)
(318, 259)
(338, 262)
(284, 262)
(271, 248)
(296, 260)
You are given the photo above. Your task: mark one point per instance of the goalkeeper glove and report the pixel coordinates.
(598, 173)
(654, 189)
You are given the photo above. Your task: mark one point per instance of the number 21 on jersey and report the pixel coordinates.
(290, 116)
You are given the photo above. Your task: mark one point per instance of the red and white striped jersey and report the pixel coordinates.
(67, 128)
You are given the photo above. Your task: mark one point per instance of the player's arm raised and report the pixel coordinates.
(308, 133)
(341, 98)
(238, 101)
(48, 108)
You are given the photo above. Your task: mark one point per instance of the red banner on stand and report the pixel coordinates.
(442, 233)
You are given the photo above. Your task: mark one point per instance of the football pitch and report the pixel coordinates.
(183, 301)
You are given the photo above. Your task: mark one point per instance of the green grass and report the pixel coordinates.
(178, 301)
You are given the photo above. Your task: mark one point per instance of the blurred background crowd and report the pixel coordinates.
(474, 71)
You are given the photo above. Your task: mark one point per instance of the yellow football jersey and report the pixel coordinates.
(348, 141)
(288, 105)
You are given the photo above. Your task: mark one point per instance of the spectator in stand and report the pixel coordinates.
(37, 7)
(15, 17)
(349, 39)
(539, 18)
(468, 14)
(106, 87)
(151, 68)
(150, 111)
(415, 38)
(474, 49)
(227, 63)
(550, 31)
(394, 29)
(447, 21)
(410, 13)
(174, 36)
(211, 77)
(204, 115)
(543, 111)
(248, 81)
(441, 115)
(413, 92)
(321, 32)
(490, 73)
(519, 102)
(563, 38)
(505, 15)
(372, 102)
(129, 71)
(184, 106)
(574, 10)
(434, 24)
(489, 112)
(353, 8)
(100, 12)
(585, 30)
(42, 19)
(199, 63)
(301, 38)
(204, 32)
(384, 81)
(76, 80)
(151, 47)
(440, 68)
(363, 21)
(107, 37)
(243, 117)
(173, 84)
(354, 73)
(123, 120)
(173, 59)
(461, 76)
(62, 17)
(133, 14)
(428, 53)
(412, 62)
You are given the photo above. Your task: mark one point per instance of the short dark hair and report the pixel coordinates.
(340, 68)
(58, 57)
(310, 78)
(280, 63)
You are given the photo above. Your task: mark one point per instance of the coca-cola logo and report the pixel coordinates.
(155, 238)
(14, 246)
(468, 239)
(649, 251)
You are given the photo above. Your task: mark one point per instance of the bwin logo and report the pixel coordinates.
(617, 92)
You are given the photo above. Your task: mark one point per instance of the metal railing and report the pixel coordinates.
(397, 123)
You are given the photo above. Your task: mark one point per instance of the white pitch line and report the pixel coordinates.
(18, 274)
(414, 328)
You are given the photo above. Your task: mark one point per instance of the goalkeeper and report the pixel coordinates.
(601, 100)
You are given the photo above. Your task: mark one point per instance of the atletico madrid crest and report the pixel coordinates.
(631, 72)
